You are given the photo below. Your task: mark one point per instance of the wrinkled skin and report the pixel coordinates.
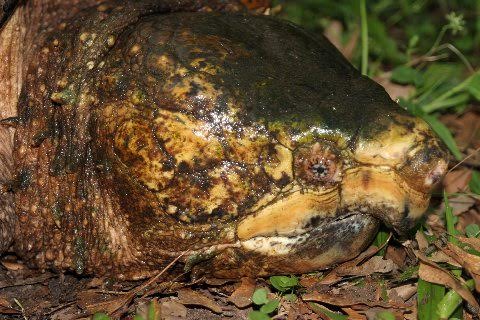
(242, 142)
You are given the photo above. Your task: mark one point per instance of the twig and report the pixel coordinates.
(133, 292)
(40, 279)
(155, 278)
(464, 159)
(22, 309)
(62, 306)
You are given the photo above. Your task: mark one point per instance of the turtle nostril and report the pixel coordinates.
(424, 167)
(436, 174)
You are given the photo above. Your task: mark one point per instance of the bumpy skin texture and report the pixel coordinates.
(241, 140)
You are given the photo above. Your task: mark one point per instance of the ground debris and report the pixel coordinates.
(189, 297)
(432, 272)
(242, 296)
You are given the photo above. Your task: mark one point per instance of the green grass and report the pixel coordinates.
(364, 25)
(285, 290)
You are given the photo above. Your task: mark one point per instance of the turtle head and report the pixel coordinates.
(400, 160)
(343, 185)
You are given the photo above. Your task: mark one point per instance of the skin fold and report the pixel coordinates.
(150, 129)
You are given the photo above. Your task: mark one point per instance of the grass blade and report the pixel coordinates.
(444, 134)
(380, 239)
(364, 25)
(429, 296)
(451, 301)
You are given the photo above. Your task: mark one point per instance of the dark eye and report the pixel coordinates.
(319, 170)
(319, 167)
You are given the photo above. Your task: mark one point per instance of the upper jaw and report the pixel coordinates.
(383, 193)
(408, 146)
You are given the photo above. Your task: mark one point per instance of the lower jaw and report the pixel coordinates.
(331, 243)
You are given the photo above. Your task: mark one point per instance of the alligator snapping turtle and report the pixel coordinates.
(147, 129)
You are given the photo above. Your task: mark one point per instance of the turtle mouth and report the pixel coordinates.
(351, 223)
(340, 239)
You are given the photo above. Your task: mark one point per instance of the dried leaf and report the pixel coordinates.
(13, 266)
(439, 256)
(173, 310)
(472, 242)
(310, 280)
(413, 315)
(398, 255)
(334, 275)
(466, 126)
(299, 310)
(352, 43)
(374, 264)
(256, 4)
(461, 203)
(457, 180)
(354, 315)
(343, 301)
(431, 272)
(421, 240)
(333, 32)
(470, 262)
(70, 312)
(93, 302)
(6, 307)
(114, 305)
(4, 310)
(394, 90)
(435, 223)
(5, 303)
(242, 295)
(28, 281)
(404, 292)
(190, 297)
(95, 283)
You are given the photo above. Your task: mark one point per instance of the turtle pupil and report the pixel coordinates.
(319, 170)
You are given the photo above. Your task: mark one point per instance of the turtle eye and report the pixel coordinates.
(319, 168)
(317, 165)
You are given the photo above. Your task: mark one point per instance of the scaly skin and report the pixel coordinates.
(244, 141)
